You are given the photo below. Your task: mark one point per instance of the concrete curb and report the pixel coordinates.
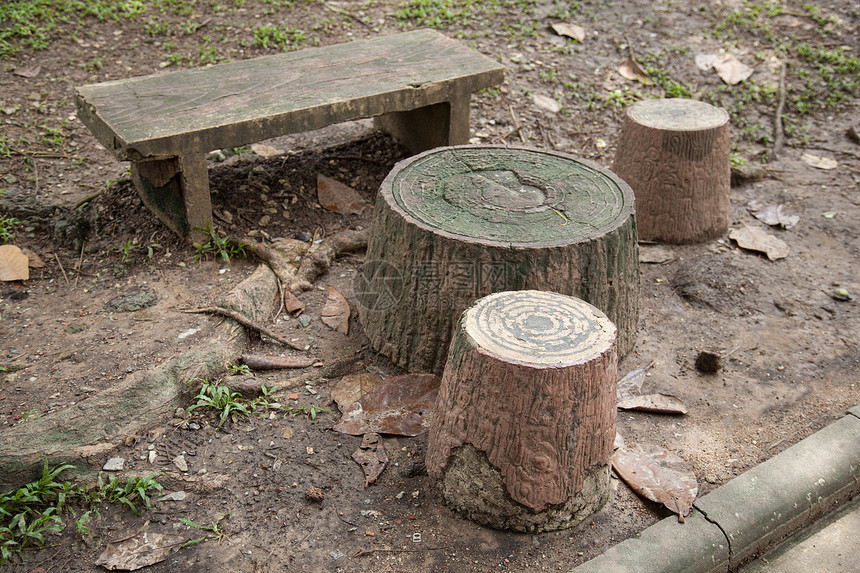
(752, 512)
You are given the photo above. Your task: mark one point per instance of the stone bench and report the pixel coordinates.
(416, 84)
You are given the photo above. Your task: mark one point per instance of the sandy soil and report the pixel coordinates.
(790, 348)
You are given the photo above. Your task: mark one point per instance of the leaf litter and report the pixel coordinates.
(371, 456)
(400, 405)
(773, 215)
(139, 550)
(335, 312)
(657, 474)
(629, 395)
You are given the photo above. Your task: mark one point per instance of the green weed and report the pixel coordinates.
(31, 511)
(7, 229)
(311, 411)
(283, 39)
(217, 245)
(134, 490)
(215, 528)
(221, 400)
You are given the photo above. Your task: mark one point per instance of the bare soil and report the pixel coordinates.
(790, 348)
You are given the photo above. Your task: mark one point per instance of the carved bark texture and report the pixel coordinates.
(455, 224)
(674, 153)
(522, 430)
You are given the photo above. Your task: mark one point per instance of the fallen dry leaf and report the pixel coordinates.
(139, 551)
(658, 475)
(819, 162)
(14, 264)
(335, 196)
(335, 313)
(34, 261)
(731, 70)
(399, 405)
(706, 61)
(655, 403)
(631, 70)
(630, 385)
(755, 239)
(353, 387)
(570, 30)
(655, 254)
(28, 71)
(546, 103)
(292, 303)
(771, 214)
(264, 150)
(371, 456)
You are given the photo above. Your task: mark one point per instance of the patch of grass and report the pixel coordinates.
(32, 23)
(129, 493)
(28, 513)
(436, 13)
(215, 528)
(7, 226)
(309, 410)
(217, 245)
(279, 38)
(221, 401)
(655, 66)
(752, 17)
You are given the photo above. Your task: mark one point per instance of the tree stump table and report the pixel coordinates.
(455, 224)
(674, 153)
(522, 431)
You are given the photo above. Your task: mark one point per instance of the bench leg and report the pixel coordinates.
(437, 125)
(176, 189)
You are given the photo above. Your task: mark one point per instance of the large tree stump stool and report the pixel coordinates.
(674, 153)
(457, 223)
(522, 430)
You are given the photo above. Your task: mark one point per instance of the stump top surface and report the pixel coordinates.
(539, 327)
(677, 114)
(511, 196)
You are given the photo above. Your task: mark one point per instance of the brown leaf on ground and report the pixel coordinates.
(658, 475)
(755, 239)
(632, 70)
(264, 150)
(13, 264)
(292, 303)
(371, 456)
(335, 313)
(335, 196)
(353, 387)
(731, 70)
(139, 551)
(819, 162)
(630, 385)
(655, 403)
(34, 261)
(570, 30)
(399, 405)
(30, 71)
(772, 215)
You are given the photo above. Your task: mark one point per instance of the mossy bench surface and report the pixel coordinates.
(417, 85)
(235, 103)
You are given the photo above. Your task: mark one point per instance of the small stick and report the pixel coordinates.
(87, 199)
(247, 323)
(363, 552)
(80, 264)
(269, 362)
(778, 135)
(517, 125)
(61, 268)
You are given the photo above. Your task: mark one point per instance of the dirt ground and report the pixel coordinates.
(790, 345)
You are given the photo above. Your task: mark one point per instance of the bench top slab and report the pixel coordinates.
(236, 103)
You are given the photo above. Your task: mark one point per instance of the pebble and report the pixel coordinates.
(114, 465)
(179, 462)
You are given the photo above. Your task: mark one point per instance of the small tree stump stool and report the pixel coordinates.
(522, 430)
(457, 223)
(674, 153)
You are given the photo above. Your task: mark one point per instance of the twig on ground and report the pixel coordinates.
(778, 134)
(372, 550)
(517, 126)
(87, 199)
(65, 276)
(247, 323)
